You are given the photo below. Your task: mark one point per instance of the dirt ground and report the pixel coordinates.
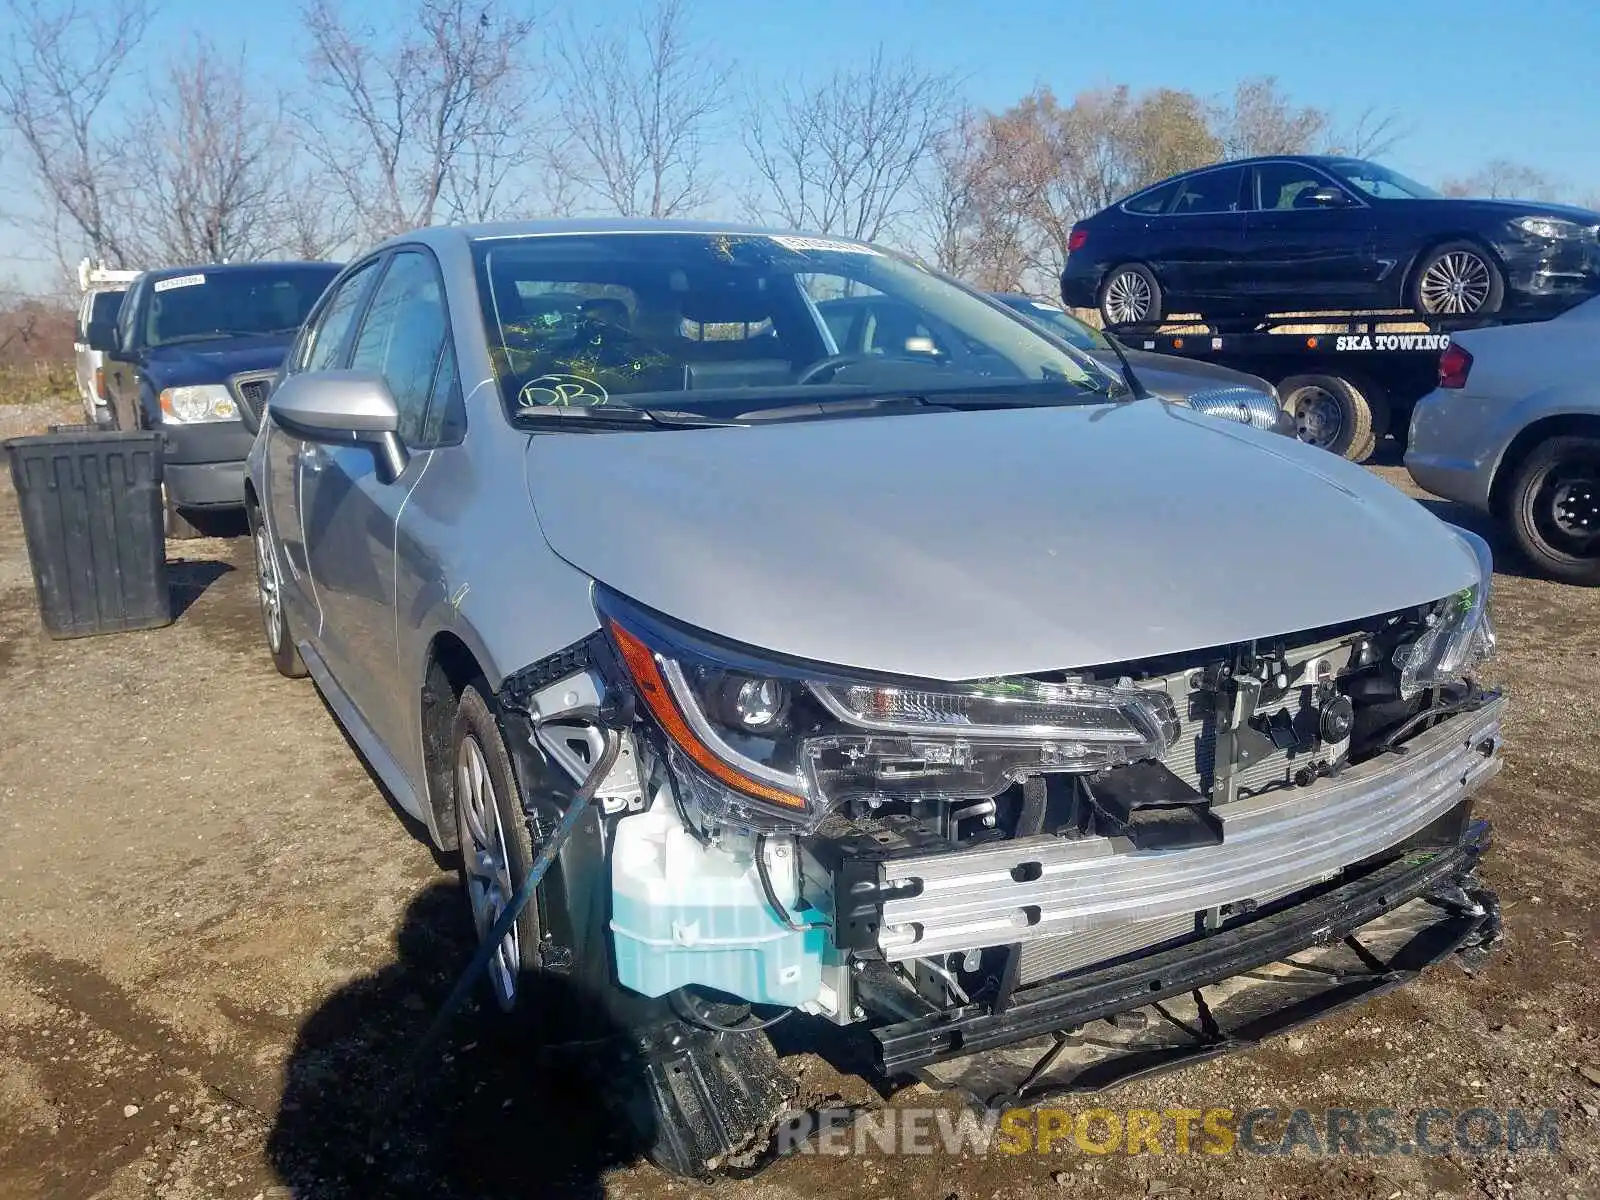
(218, 941)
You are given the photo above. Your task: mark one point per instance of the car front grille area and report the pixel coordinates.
(251, 392)
(1287, 707)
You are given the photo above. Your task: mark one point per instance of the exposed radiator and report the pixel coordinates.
(1055, 956)
(1193, 757)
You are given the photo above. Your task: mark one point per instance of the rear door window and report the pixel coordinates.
(1152, 202)
(1209, 192)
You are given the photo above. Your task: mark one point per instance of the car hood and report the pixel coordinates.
(213, 362)
(1176, 378)
(1513, 208)
(968, 545)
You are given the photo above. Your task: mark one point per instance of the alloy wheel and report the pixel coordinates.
(1455, 283)
(1128, 298)
(488, 865)
(267, 589)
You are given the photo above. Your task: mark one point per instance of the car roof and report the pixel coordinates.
(235, 268)
(1024, 296)
(1316, 160)
(435, 235)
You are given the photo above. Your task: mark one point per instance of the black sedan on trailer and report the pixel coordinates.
(1313, 232)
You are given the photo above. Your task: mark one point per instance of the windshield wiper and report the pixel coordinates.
(878, 403)
(618, 417)
(888, 403)
(212, 335)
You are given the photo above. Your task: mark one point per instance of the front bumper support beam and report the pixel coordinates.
(1339, 963)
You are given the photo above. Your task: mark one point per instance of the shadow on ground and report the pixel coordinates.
(188, 581)
(497, 1110)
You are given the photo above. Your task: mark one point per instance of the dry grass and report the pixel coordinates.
(37, 382)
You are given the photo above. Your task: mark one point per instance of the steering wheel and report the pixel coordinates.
(827, 366)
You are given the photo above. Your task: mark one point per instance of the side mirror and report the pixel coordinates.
(1324, 197)
(342, 407)
(102, 336)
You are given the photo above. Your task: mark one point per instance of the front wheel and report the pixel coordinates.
(269, 594)
(1458, 279)
(496, 850)
(1555, 509)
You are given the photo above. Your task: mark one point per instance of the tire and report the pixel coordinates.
(1330, 412)
(176, 526)
(1138, 282)
(1377, 404)
(496, 851)
(1365, 451)
(269, 594)
(1556, 489)
(1458, 278)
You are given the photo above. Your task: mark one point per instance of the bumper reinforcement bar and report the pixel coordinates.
(1226, 991)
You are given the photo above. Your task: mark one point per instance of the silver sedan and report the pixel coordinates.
(611, 550)
(1513, 430)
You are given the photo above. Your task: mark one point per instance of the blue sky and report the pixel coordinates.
(1471, 80)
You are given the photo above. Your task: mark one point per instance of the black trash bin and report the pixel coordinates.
(91, 512)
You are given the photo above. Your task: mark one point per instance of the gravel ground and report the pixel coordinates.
(218, 940)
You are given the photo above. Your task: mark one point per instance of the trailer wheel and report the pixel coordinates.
(1377, 404)
(1555, 509)
(1329, 412)
(1130, 295)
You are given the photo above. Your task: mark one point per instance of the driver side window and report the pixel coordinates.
(401, 337)
(1281, 185)
(324, 341)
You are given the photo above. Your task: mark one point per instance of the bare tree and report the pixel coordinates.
(948, 195)
(1371, 135)
(638, 105)
(1502, 178)
(425, 117)
(312, 216)
(211, 160)
(840, 154)
(1260, 119)
(56, 72)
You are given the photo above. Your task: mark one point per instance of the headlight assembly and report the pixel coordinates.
(1554, 228)
(198, 403)
(763, 743)
(1244, 405)
(1459, 636)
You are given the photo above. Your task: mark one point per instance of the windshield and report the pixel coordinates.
(203, 306)
(1059, 322)
(105, 306)
(720, 323)
(1379, 181)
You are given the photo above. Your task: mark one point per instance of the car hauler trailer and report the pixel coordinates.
(1347, 378)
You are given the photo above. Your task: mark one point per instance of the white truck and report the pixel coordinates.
(102, 290)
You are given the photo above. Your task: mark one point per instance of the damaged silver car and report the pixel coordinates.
(973, 704)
